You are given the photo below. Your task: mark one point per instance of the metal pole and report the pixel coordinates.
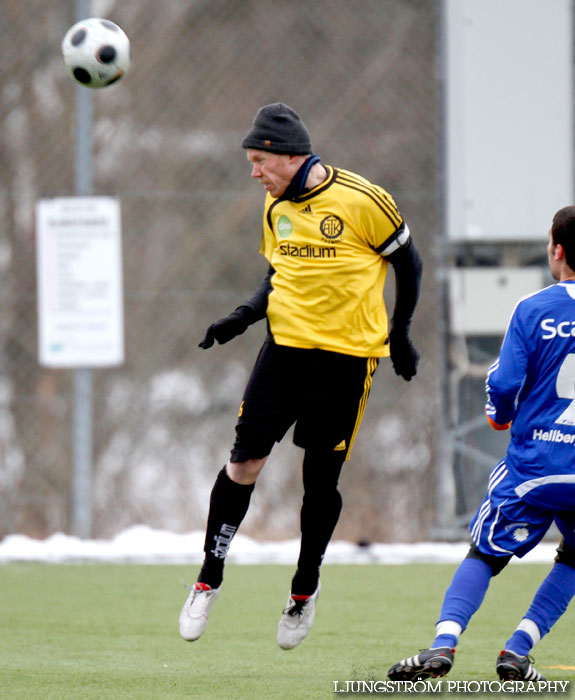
(445, 491)
(83, 380)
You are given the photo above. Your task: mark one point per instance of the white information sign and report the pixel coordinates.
(80, 297)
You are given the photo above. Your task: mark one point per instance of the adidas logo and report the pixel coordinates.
(340, 447)
(306, 210)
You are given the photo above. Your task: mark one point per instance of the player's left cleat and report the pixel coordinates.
(512, 667)
(429, 663)
(194, 615)
(297, 619)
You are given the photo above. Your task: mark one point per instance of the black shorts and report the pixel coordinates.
(323, 393)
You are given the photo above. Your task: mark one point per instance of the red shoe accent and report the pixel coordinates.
(199, 586)
(301, 597)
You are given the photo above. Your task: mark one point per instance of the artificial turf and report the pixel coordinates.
(111, 632)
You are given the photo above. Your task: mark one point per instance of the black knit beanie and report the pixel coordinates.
(278, 128)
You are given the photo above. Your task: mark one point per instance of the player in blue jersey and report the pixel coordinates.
(531, 390)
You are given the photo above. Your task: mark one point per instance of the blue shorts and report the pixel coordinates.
(506, 524)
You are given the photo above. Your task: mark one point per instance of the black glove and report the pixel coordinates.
(227, 328)
(404, 357)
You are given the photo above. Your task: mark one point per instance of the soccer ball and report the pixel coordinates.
(96, 52)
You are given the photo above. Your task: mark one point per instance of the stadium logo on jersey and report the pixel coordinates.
(331, 227)
(307, 251)
(285, 227)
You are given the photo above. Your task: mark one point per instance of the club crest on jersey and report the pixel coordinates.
(331, 227)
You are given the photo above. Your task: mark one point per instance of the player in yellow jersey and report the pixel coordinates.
(329, 236)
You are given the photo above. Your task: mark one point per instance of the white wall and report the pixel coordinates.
(509, 117)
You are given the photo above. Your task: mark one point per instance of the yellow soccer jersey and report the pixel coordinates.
(327, 248)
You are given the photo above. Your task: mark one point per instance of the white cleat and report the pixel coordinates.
(297, 619)
(194, 615)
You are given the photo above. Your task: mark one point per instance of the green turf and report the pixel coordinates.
(110, 632)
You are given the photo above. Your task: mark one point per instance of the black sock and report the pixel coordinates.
(229, 503)
(319, 515)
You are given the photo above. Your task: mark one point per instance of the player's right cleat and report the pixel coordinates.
(429, 663)
(512, 667)
(194, 615)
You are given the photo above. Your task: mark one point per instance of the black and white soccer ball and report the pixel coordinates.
(96, 52)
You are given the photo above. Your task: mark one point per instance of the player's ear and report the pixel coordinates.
(559, 253)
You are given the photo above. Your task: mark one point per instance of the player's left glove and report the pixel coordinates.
(404, 357)
(227, 328)
(498, 426)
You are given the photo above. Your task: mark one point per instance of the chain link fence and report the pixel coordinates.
(364, 75)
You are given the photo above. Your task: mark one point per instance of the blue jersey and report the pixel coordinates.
(532, 385)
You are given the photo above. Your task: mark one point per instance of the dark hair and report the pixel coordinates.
(563, 232)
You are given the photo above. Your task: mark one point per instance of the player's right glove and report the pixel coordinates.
(227, 328)
(404, 357)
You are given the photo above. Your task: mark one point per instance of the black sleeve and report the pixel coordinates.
(256, 306)
(408, 267)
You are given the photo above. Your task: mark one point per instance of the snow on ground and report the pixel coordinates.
(143, 545)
